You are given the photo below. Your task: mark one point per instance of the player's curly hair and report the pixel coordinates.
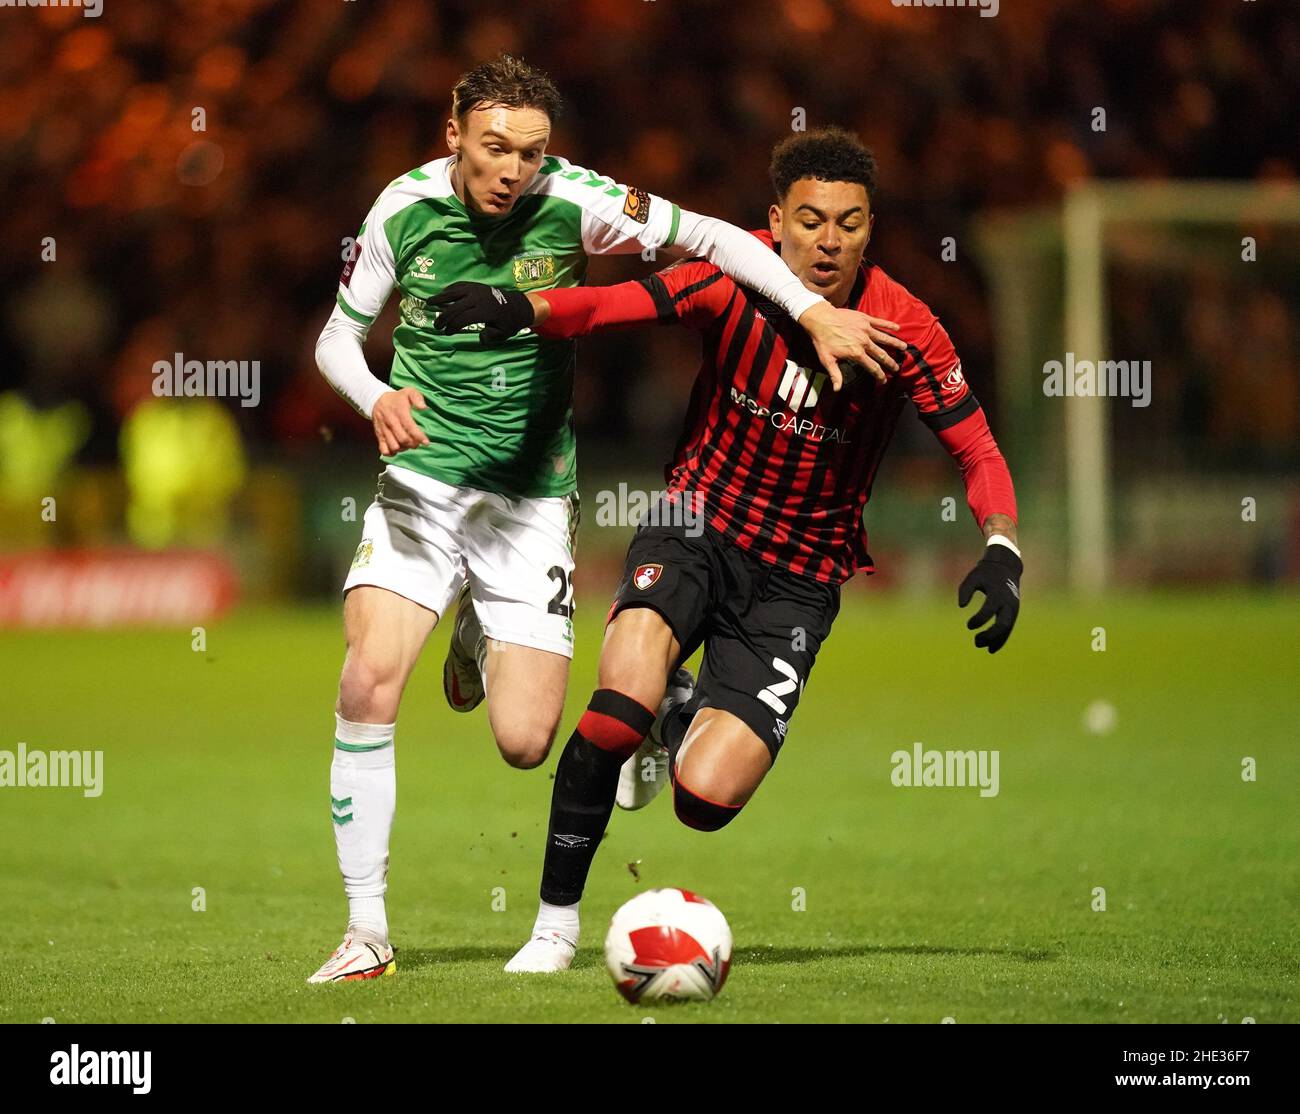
(830, 154)
(508, 81)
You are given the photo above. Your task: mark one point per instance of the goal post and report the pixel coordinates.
(1048, 274)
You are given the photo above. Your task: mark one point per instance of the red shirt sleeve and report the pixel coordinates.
(983, 468)
(944, 401)
(693, 292)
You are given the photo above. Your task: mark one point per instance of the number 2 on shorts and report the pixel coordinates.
(561, 603)
(771, 696)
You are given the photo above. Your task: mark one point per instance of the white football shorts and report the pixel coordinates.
(423, 539)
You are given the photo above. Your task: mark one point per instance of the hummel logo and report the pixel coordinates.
(1011, 584)
(572, 840)
(421, 267)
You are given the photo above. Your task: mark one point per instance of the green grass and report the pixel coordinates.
(921, 903)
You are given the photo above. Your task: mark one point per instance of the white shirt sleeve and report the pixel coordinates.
(745, 259)
(342, 362)
(369, 275)
(619, 219)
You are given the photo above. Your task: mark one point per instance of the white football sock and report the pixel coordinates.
(557, 918)
(363, 799)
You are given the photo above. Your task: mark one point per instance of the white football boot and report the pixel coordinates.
(549, 950)
(358, 957)
(644, 775)
(462, 680)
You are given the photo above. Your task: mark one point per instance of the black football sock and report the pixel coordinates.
(586, 780)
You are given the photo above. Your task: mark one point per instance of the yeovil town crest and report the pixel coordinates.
(535, 269)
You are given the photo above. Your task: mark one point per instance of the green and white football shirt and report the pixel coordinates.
(499, 418)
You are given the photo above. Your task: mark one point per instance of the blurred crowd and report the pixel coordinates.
(194, 167)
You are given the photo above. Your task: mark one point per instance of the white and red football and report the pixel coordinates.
(668, 944)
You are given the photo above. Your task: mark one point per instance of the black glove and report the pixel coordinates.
(502, 313)
(998, 577)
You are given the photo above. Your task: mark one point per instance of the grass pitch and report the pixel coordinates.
(917, 903)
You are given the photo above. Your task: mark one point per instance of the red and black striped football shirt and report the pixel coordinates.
(778, 462)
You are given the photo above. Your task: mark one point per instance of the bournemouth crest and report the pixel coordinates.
(647, 576)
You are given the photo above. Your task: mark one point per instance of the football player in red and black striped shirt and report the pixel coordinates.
(762, 518)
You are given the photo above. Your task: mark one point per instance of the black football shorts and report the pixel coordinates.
(761, 626)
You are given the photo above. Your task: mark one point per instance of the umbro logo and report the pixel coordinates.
(572, 840)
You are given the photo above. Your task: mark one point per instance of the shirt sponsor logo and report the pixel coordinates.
(790, 423)
(637, 205)
(536, 269)
(800, 387)
(646, 576)
(806, 427)
(416, 311)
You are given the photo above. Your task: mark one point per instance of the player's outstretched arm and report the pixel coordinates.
(558, 314)
(622, 219)
(944, 401)
(845, 335)
(992, 500)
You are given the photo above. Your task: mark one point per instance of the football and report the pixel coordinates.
(668, 944)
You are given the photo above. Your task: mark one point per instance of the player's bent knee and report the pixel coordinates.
(700, 813)
(645, 687)
(525, 746)
(368, 687)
